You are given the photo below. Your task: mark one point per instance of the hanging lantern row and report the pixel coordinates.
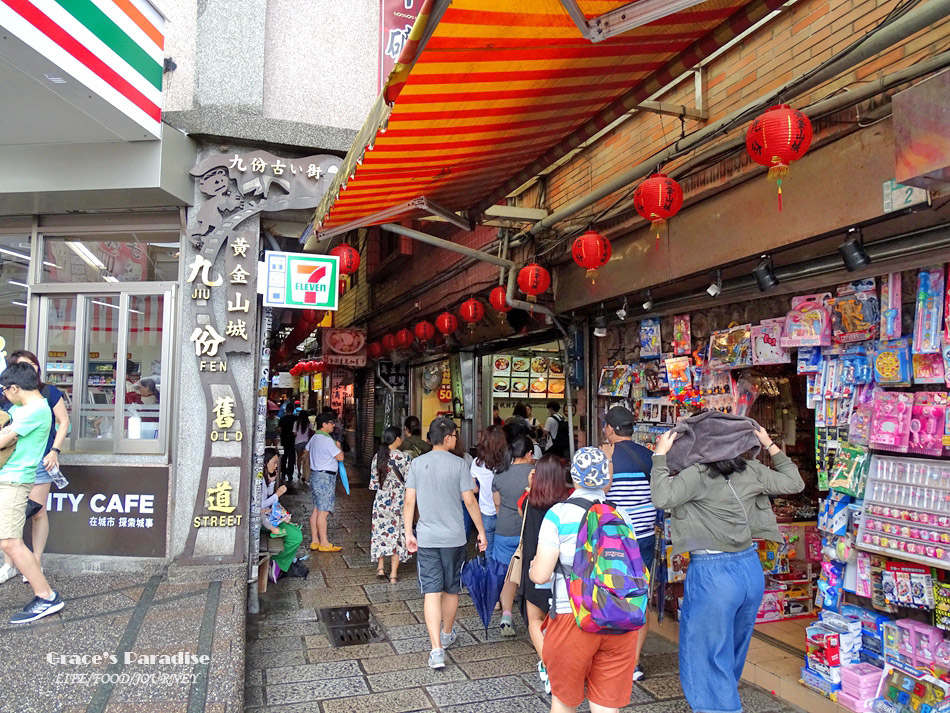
(591, 251)
(658, 199)
(472, 311)
(533, 280)
(776, 139)
(404, 339)
(424, 331)
(308, 367)
(349, 258)
(447, 323)
(498, 298)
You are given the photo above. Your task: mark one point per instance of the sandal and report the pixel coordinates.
(278, 534)
(380, 574)
(393, 579)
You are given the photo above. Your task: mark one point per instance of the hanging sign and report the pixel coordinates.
(301, 281)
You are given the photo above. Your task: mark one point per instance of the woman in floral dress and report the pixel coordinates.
(388, 479)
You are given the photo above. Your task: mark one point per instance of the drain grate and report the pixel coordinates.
(349, 626)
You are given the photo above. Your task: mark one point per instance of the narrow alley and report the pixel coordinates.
(292, 668)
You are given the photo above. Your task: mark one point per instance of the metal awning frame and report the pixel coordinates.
(421, 203)
(623, 19)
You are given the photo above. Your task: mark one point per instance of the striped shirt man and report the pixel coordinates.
(630, 487)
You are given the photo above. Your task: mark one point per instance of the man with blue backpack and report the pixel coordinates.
(599, 596)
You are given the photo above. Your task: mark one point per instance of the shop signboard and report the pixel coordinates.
(395, 375)
(301, 281)
(344, 347)
(395, 21)
(109, 511)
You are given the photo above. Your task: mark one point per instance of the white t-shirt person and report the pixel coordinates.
(323, 452)
(550, 427)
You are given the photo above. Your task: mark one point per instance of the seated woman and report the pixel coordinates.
(291, 534)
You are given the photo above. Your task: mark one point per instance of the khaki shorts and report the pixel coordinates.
(13, 497)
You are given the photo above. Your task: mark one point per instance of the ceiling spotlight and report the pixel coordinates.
(715, 287)
(622, 312)
(852, 251)
(764, 275)
(600, 324)
(648, 302)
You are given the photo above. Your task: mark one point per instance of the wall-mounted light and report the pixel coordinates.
(715, 287)
(622, 312)
(764, 275)
(852, 251)
(648, 302)
(600, 323)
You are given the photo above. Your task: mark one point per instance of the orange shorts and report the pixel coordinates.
(605, 662)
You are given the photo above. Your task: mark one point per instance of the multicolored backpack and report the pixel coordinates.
(608, 583)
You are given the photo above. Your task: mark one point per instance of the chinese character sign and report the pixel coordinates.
(344, 347)
(395, 22)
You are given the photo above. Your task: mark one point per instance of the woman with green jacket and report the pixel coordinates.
(719, 502)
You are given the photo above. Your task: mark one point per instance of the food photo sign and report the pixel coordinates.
(344, 347)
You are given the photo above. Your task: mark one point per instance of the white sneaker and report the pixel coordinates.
(7, 572)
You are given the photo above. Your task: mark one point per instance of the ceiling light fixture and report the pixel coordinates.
(600, 323)
(715, 287)
(622, 312)
(648, 302)
(764, 275)
(85, 254)
(852, 251)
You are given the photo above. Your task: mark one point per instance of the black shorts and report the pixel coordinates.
(440, 569)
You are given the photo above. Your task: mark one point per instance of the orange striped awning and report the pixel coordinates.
(494, 91)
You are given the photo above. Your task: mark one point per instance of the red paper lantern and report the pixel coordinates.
(349, 258)
(424, 331)
(658, 199)
(533, 280)
(498, 299)
(472, 310)
(389, 342)
(319, 367)
(374, 350)
(404, 338)
(776, 139)
(592, 251)
(446, 323)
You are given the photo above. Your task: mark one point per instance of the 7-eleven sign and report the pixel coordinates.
(302, 281)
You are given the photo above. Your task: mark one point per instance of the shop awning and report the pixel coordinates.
(487, 93)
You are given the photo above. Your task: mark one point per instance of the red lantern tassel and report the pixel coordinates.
(657, 225)
(779, 195)
(592, 274)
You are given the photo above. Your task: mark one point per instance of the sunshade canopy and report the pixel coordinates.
(487, 93)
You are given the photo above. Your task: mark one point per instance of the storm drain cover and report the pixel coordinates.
(349, 626)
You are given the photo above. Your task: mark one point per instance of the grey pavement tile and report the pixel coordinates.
(401, 701)
(402, 618)
(407, 646)
(389, 607)
(396, 662)
(395, 595)
(481, 653)
(466, 608)
(414, 678)
(758, 700)
(521, 704)
(404, 584)
(362, 652)
(500, 666)
(656, 644)
(662, 688)
(346, 577)
(406, 632)
(254, 678)
(315, 690)
(680, 706)
(474, 691)
(274, 643)
(275, 659)
(493, 635)
(318, 641)
(312, 672)
(660, 664)
(306, 614)
(295, 628)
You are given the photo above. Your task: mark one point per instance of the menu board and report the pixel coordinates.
(527, 376)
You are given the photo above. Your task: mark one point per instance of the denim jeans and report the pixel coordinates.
(488, 522)
(722, 595)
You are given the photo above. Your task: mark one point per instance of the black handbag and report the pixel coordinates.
(32, 507)
(297, 569)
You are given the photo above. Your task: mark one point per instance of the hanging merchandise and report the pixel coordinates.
(892, 363)
(890, 421)
(533, 280)
(730, 348)
(447, 323)
(767, 343)
(809, 360)
(499, 300)
(682, 339)
(388, 343)
(928, 368)
(591, 251)
(945, 353)
(650, 346)
(849, 473)
(808, 324)
(424, 331)
(928, 315)
(614, 381)
(404, 338)
(891, 306)
(776, 139)
(928, 417)
(855, 312)
(349, 258)
(859, 423)
(658, 199)
(472, 311)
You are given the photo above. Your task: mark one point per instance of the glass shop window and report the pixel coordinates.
(150, 256)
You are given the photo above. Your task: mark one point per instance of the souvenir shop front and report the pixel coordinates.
(852, 382)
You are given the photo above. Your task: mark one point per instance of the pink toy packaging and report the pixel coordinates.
(928, 369)
(928, 417)
(682, 341)
(808, 324)
(891, 306)
(945, 353)
(767, 343)
(890, 422)
(928, 316)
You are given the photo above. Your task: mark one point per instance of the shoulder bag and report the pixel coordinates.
(517, 559)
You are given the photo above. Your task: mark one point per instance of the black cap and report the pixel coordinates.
(619, 417)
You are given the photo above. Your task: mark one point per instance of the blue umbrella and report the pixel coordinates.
(484, 577)
(344, 479)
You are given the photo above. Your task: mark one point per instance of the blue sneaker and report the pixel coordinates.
(437, 658)
(37, 609)
(448, 639)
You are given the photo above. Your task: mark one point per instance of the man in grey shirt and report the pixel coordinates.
(439, 481)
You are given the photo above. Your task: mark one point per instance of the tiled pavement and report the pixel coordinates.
(292, 668)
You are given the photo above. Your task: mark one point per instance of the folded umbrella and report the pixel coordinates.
(344, 479)
(484, 577)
